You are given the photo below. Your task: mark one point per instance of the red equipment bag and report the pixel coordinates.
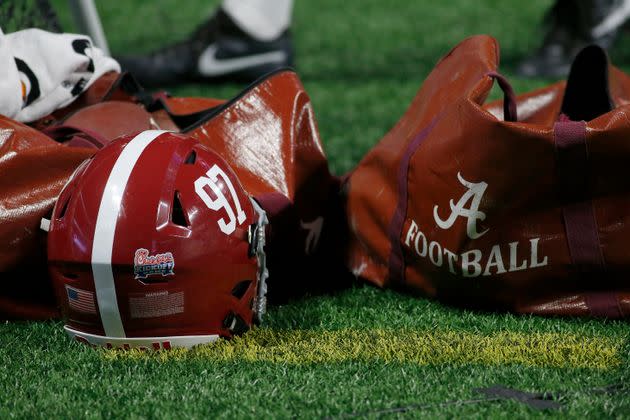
(267, 134)
(33, 170)
(471, 205)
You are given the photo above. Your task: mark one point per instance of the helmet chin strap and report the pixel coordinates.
(257, 244)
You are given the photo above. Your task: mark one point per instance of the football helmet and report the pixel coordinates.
(154, 243)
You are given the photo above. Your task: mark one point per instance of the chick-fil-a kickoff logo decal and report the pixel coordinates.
(145, 265)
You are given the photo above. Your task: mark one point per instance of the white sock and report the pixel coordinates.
(263, 20)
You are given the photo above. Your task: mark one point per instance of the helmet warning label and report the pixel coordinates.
(156, 304)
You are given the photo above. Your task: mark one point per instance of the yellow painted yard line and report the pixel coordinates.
(403, 346)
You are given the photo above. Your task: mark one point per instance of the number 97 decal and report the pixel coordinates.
(235, 216)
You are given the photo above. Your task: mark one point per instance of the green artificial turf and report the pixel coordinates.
(361, 62)
(47, 375)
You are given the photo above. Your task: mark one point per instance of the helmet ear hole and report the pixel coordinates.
(235, 324)
(191, 158)
(62, 212)
(178, 215)
(241, 288)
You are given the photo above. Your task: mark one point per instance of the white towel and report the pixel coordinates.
(43, 71)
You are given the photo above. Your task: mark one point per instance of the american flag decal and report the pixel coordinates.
(81, 300)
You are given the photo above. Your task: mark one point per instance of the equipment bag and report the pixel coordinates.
(483, 208)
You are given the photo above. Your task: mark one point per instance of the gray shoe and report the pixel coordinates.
(573, 25)
(217, 51)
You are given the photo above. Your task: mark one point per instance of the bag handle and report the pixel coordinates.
(72, 136)
(509, 98)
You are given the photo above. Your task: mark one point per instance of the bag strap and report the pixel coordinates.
(579, 216)
(75, 136)
(158, 101)
(396, 260)
(509, 98)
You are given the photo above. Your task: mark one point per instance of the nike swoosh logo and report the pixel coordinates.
(209, 65)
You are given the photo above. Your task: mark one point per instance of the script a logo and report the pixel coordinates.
(472, 214)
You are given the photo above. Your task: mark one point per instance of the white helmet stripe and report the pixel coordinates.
(106, 220)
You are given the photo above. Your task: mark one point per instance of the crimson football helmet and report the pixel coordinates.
(153, 243)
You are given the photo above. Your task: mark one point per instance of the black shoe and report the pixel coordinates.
(574, 25)
(217, 51)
